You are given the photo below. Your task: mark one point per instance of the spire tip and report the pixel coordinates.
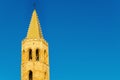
(34, 5)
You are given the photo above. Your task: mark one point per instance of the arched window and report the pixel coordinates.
(37, 54)
(30, 54)
(30, 75)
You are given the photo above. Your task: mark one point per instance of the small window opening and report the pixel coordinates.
(45, 75)
(23, 51)
(44, 52)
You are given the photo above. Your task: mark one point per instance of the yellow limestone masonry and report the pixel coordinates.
(35, 57)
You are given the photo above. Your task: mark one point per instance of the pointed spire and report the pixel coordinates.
(34, 31)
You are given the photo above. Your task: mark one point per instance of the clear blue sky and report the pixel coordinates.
(83, 36)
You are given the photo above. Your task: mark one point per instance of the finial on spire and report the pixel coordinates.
(34, 5)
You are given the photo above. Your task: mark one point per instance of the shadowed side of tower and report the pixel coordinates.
(35, 57)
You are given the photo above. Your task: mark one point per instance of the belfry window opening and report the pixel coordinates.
(37, 54)
(30, 54)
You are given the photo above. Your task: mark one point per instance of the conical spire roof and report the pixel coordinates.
(34, 31)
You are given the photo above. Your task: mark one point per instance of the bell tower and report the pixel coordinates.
(34, 57)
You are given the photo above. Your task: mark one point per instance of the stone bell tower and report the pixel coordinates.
(35, 57)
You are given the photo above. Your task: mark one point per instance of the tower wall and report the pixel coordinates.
(40, 69)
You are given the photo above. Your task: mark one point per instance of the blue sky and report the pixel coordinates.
(83, 37)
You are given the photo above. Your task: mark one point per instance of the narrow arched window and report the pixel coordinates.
(30, 75)
(30, 54)
(37, 54)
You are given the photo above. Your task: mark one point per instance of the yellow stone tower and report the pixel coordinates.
(35, 58)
